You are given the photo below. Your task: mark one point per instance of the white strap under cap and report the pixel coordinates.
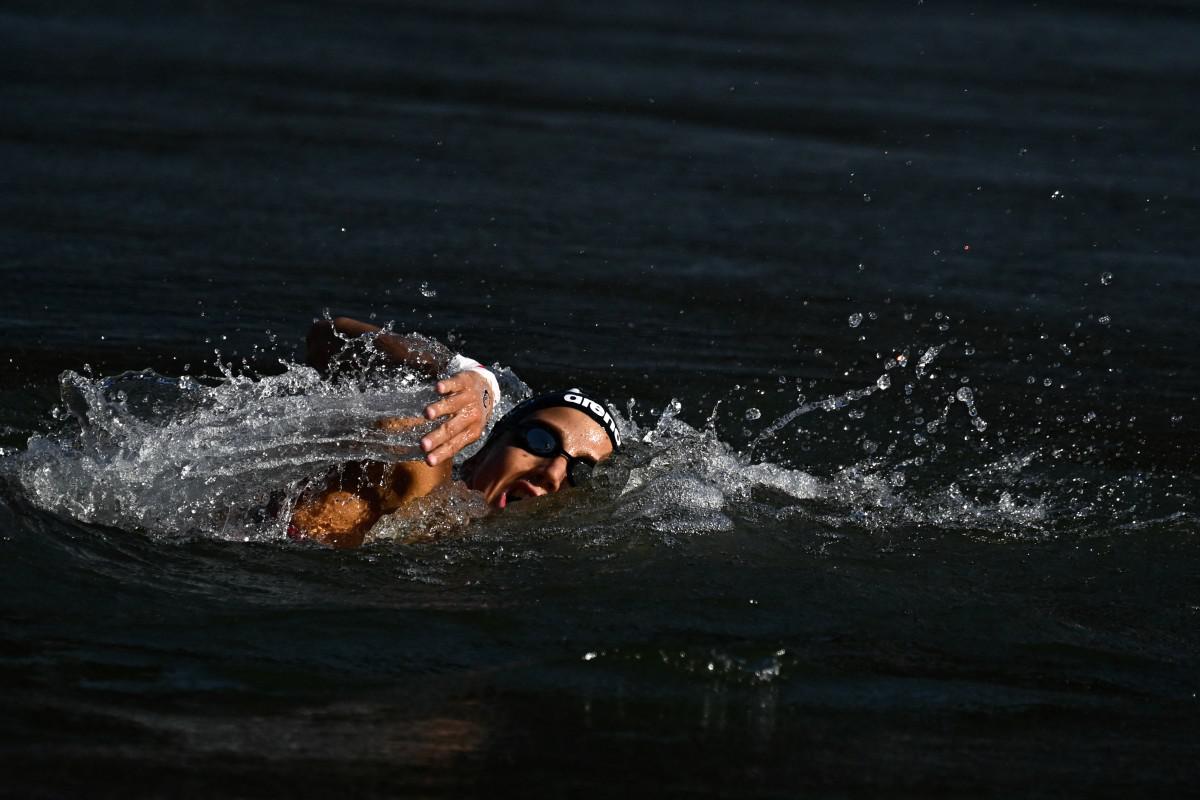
(461, 363)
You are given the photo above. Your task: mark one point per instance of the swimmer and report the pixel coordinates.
(546, 444)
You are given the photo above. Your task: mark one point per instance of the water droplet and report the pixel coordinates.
(1105, 278)
(855, 320)
(884, 382)
(1104, 320)
(427, 290)
(1090, 416)
(1066, 351)
(980, 424)
(753, 413)
(919, 440)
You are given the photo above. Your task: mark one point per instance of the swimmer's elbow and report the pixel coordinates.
(337, 518)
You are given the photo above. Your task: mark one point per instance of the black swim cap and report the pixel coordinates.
(577, 399)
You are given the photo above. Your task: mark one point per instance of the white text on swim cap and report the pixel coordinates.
(598, 410)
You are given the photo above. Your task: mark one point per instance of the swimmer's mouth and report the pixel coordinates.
(513, 495)
(506, 498)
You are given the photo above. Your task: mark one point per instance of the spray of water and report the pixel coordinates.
(224, 458)
(228, 457)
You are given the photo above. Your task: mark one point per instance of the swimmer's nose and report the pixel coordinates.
(554, 473)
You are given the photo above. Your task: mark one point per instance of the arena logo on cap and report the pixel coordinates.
(597, 410)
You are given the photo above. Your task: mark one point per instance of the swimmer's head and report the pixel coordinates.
(545, 444)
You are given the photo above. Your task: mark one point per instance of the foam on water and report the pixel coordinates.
(227, 458)
(685, 480)
(223, 458)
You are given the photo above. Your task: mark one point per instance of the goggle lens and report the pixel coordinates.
(540, 442)
(544, 443)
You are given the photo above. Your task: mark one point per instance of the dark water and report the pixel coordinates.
(921, 278)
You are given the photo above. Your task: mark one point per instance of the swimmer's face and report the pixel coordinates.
(505, 472)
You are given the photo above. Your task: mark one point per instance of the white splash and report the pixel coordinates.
(176, 456)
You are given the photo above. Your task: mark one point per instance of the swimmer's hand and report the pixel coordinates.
(467, 400)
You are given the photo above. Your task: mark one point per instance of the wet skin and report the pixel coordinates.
(505, 472)
(340, 511)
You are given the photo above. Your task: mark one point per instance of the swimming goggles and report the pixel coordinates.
(535, 438)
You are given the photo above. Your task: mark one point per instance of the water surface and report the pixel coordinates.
(896, 300)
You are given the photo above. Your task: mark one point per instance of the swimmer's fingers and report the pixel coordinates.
(448, 448)
(464, 427)
(465, 400)
(452, 404)
(466, 393)
(459, 390)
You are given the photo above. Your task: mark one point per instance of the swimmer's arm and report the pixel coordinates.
(353, 498)
(327, 338)
(468, 397)
(468, 400)
(411, 480)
